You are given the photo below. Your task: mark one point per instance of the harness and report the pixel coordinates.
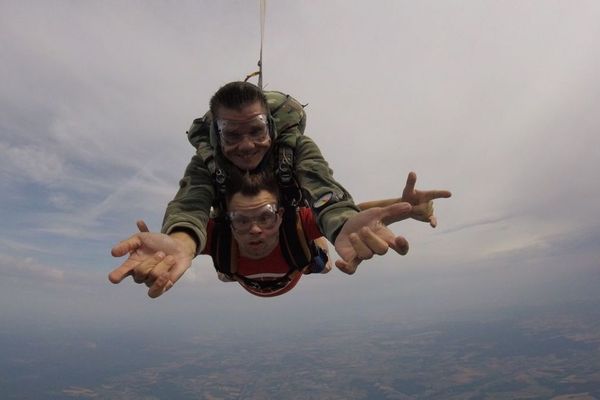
(298, 251)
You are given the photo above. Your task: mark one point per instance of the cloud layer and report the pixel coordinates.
(496, 102)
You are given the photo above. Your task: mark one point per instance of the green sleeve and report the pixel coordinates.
(316, 179)
(190, 208)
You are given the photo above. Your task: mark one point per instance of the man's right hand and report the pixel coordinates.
(156, 259)
(366, 234)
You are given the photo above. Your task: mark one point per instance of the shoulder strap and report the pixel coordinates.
(199, 137)
(289, 188)
(218, 175)
(294, 246)
(224, 250)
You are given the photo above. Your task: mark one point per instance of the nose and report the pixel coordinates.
(246, 143)
(254, 228)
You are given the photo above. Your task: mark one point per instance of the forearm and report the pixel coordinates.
(420, 212)
(378, 203)
(190, 208)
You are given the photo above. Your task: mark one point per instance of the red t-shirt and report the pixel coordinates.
(274, 265)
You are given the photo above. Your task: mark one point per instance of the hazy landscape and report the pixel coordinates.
(543, 352)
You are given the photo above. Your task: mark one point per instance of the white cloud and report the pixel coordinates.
(29, 269)
(494, 101)
(61, 201)
(30, 163)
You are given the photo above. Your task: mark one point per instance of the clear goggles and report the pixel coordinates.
(265, 218)
(232, 132)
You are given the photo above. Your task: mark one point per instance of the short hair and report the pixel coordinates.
(251, 183)
(236, 95)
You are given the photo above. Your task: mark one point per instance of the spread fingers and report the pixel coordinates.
(373, 242)
(140, 273)
(162, 268)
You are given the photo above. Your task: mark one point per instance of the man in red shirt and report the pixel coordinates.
(255, 218)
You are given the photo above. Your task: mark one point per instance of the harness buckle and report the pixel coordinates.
(220, 176)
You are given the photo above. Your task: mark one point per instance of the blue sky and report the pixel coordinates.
(496, 101)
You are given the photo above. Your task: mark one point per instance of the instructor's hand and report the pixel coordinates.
(422, 200)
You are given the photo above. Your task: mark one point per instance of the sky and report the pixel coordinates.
(496, 101)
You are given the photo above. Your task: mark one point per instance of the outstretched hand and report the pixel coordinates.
(156, 259)
(422, 200)
(367, 233)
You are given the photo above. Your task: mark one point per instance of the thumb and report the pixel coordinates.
(409, 188)
(142, 226)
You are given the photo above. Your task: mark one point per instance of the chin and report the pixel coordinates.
(247, 165)
(257, 255)
(259, 252)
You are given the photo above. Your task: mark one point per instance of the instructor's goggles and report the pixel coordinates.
(265, 218)
(232, 132)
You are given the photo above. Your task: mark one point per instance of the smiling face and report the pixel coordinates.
(255, 223)
(244, 134)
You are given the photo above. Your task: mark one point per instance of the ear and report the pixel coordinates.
(280, 212)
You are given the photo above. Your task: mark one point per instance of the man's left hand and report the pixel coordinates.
(422, 200)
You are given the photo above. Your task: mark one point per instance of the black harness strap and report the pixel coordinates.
(223, 249)
(289, 188)
(292, 240)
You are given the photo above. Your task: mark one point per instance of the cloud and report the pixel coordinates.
(30, 163)
(61, 201)
(495, 102)
(201, 272)
(474, 224)
(21, 246)
(581, 243)
(29, 269)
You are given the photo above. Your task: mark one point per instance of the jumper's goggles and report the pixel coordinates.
(232, 132)
(265, 217)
